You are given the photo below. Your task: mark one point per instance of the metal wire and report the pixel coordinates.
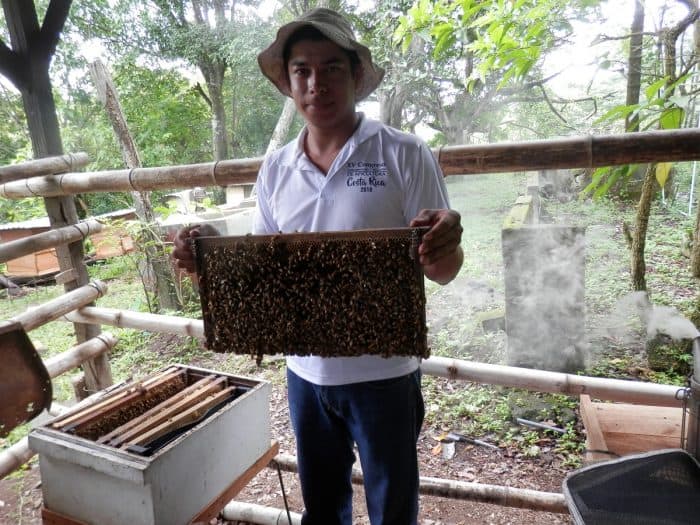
(284, 494)
(683, 394)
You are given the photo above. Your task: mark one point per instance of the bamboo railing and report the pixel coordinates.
(19, 453)
(577, 152)
(511, 376)
(49, 239)
(480, 492)
(55, 308)
(45, 166)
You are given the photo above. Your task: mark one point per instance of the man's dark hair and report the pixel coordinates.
(311, 33)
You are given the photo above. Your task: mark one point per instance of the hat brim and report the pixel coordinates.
(271, 60)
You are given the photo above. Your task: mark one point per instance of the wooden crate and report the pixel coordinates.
(619, 429)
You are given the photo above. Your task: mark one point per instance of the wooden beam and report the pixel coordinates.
(54, 20)
(215, 506)
(596, 447)
(37, 97)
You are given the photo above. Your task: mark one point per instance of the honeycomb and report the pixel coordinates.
(333, 294)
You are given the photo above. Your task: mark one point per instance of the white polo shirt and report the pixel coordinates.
(381, 178)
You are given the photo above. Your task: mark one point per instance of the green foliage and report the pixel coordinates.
(505, 38)
(661, 108)
(169, 120)
(256, 104)
(14, 138)
(21, 209)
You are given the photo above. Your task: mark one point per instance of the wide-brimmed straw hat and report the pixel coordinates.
(334, 27)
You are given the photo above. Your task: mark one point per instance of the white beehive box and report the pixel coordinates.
(101, 485)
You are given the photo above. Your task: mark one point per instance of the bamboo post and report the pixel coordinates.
(75, 356)
(575, 152)
(50, 239)
(44, 166)
(479, 492)
(555, 382)
(55, 308)
(14, 457)
(242, 512)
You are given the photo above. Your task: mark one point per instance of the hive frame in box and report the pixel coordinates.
(97, 484)
(333, 294)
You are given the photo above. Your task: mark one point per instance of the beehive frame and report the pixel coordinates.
(332, 294)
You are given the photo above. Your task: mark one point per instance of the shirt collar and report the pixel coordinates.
(366, 129)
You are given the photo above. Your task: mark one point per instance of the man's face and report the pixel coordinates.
(322, 83)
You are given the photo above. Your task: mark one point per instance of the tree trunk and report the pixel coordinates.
(214, 77)
(33, 47)
(695, 251)
(284, 123)
(159, 280)
(638, 265)
(391, 107)
(634, 64)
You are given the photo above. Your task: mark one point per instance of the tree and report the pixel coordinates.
(493, 49)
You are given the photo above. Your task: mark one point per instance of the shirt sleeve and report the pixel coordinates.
(263, 221)
(425, 186)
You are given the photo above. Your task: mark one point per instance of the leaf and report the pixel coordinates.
(671, 118)
(663, 169)
(652, 90)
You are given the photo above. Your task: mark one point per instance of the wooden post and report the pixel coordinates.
(28, 69)
(158, 265)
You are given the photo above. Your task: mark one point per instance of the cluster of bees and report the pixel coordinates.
(155, 396)
(265, 295)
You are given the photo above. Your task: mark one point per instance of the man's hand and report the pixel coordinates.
(182, 253)
(440, 252)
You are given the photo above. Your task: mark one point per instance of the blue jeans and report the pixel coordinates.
(384, 419)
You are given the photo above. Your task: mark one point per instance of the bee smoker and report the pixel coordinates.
(691, 415)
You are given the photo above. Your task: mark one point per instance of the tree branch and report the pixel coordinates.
(54, 20)
(608, 38)
(10, 65)
(199, 89)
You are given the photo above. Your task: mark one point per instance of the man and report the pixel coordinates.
(346, 172)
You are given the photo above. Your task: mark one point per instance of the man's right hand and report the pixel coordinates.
(184, 239)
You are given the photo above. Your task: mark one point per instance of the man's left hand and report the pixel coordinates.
(440, 252)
